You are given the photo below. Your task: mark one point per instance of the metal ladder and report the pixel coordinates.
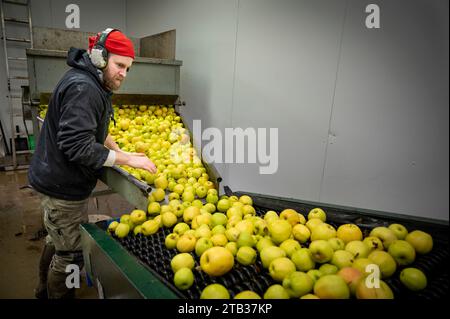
(13, 79)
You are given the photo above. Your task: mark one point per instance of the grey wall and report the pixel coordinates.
(94, 16)
(362, 114)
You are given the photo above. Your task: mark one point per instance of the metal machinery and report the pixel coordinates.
(139, 266)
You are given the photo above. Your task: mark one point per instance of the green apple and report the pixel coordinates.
(182, 260)
(323, 231)
(223, 205)
(138, 216)
(215, 291)
(399, 230)
(317, 213)
(219, 239)
(374, 243)
(383, 291)
(186, 243)
(246, 200)
(361, 265)
(276, 291)
(188, 196)
(328, 269)
(219, 229)
(331, 287)
(386, 235)
(150, 227)
(321, 251)
(279, 230)
(234, 211)
(210, 208)
(179, 189)
(216, 261)
(213, 191)
(181, 228)
(232, 234)
(337, 244)
(271, 215)
(247, 294)
(421, 241)
(245, 226)
(301, 233)
(291, 216)
(137, 230)
(385, 262)
(349, 232)
(403, 252)
(263, 243)
(197, 203)
(246, 255)
(298, 284)
(342, 258)
(154, 209)
(413, 278)
(313, 223)
(232, 247)
(309, 296)
(203, 231)
(202, 245)
(122, 230)
(168, 219)
(303, 260)
(184, 278)
(189, 214)
(260, 227)
(126, 219)
(281, 267)
(358, 249)
(171, 241)
(159, 194)
(245, 239)
(178, 210)
(248, 210)
(112, 226)
(290, 246)
(315, 274)
(270, 253)
(173, 196)
(212, 199)
(201, 191)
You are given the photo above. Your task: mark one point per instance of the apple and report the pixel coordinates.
(331, 287)
(137, 230)
(165, 209)
(179, 189)
(245, 226)
(323, 231)
(381, 292)
(217, 261)
(181, 228)
(188, 196)
(122, 230)
(219, 229)
(260, 227)
(184, 278)
(342, 259)
(138, 216)
(219, 239)
(150, 227)
(291, 216)
(361, 265)
(301, 233)
(263, 243)
(336, 243)
(279, 230)
(210, 208)
(112, 226)
(178, 210)
(126, 219)
(186, 243)
(248, 210)
(399, 230)
(161, 182)
(159, 194)
(315, 274)
(201, 191)
(328, 269)
(245, 239)
(189, 213)
(309, 296)
(197, 203)
(317, 213)
(182, 260)
(203, 232)
(290, 246)
(271, 215)
(171, 240)
(215, 291)
(270, 253)
(403, 252)
(202, 245)
(173, 196)
(246, 200)
(168, 219)
(349, 232)
(374, 243)
(313, 223)
(153, 208)
(202, 219)
(281, 267)
(303, 260)
(421, 241)
(298, 284)
(276, 291)
(351, 276)
(212, 198)
(223, 205)
(247, 294)
(213, 191)
(246, 255)
(385, 262)
(358, 248)
(386, 235)
(232, 247)
(232, 234)
(413, 278)
(321, 251)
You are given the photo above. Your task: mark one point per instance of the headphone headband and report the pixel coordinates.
(101, 39)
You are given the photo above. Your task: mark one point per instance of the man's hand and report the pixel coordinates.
(141, 161)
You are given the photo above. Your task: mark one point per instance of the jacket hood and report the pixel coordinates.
(79, 59)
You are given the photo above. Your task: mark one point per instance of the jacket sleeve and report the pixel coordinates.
(81, 108)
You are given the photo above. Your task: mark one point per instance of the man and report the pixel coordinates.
(73, 147)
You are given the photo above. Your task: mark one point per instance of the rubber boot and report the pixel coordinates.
(47, 254)
(56, 286)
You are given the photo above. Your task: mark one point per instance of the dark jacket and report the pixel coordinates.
(70, 152)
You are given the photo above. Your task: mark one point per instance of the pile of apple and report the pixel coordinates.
(306, 257)
(42, 109)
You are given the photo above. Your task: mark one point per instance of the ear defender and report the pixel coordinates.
(99, 54)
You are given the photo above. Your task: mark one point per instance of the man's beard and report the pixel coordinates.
(109, 82)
